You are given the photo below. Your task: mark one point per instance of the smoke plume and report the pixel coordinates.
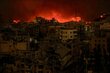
(26, 10)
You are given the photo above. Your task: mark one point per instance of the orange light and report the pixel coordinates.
(76, 19)
(16, 21)
(59, 17)
(101, 16)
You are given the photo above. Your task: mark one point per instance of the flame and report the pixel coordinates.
(59, 17)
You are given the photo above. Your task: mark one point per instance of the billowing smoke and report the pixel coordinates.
(28, 9)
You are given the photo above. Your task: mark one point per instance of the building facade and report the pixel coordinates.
(67, 34)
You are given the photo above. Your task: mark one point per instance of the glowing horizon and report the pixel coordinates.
(56, 16)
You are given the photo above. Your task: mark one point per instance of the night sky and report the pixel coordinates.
(60, 9)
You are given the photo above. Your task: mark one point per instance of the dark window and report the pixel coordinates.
(18, 66)
(103, 45)
(95, 45)
(70, 32)
(47, 71)
(10, 46)
(99, 40)
(75, 35)
(41, 66)
(74, 31)
(61, 36)
(65, 36)
(40, 71)
(103, 40)
(61, 31)
(22, 65)
(22, 71)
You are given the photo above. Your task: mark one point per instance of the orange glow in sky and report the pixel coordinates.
(57, 16)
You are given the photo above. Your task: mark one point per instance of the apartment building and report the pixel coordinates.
(67, 34)
(98, 43)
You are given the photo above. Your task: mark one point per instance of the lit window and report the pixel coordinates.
(30, 39)
(35, 41)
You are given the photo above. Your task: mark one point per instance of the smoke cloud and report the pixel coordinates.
(28, 9)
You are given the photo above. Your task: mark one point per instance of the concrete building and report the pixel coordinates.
(6, 46)
(40, 68)
(21, 67)
(67, 34)
(10, 46)
(15, 42)
(98, 42)
(105, 25)
(101, 37)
